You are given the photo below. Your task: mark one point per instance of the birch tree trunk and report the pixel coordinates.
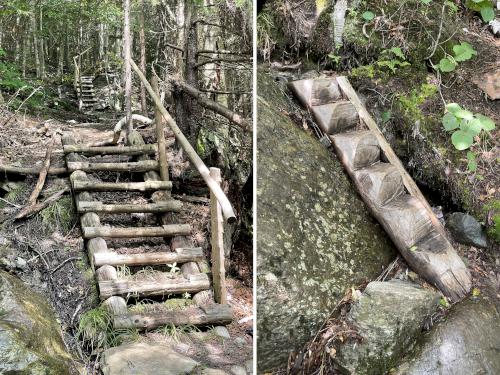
(142, 43)
(128, 70)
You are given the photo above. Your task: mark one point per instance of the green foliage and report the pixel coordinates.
(15, 195)
(59, 215)
(176, 332)
(410, 104)
(368, 15)
(484, 7)
(465, 126)
(494, 230)
(471, 161)
(389, 59)
(461, 52)
(426, 2)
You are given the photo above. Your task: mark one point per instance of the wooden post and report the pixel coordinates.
(160, 134)
(217, 228)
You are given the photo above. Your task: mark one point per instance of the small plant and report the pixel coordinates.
(462, 52)
(465, 125)
(94, 328)
(368, 15)
(392, 58)
(484, 7)
(471, 161)
(59, 214)
(173, 268)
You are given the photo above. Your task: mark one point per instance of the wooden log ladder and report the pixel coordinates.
(386, 188)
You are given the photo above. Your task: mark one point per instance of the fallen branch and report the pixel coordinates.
(41, 205)
(118, 129)
(39, 185)
(29, 171)
(64, 262)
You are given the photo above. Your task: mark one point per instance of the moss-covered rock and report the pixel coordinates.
(315, 237)
(30, 337)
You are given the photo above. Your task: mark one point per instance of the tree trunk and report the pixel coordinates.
(142, 43)
(128, 70)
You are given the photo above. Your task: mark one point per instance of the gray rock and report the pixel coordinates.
(213, 371)
(21, 263)
(467, 342)
(389, 316)
(249, 365)
(222, 332)
(466, 230)
(238, 370)
(240, 342)
(315, 234)
(30, 338)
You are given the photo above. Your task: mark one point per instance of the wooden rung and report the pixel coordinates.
(112, 150)
(148, 287)
(160, 207)
(163, 231)
(180, 255)
(139, 166)
(213, 314)
(121, 186)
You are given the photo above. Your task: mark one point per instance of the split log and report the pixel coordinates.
(164, 206)
(312, 92)
(110, 150)
(140, 166)
(121, 186)
(179, 256)
(213, 314)
(164, 231)
(149, 287)
(336, 117)
(106, 273)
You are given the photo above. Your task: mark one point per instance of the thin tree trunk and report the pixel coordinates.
(142, 42)
(35, 45)
(128, 69)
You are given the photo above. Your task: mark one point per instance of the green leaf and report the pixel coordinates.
(450, 122)
(472, 166)
(488, 13)
(453, 107)
(368, 16)
(386, 116)
(397, 51)
(462, 140)
(487, 123)
(463, 51)
(446, 65)
(426, 1)
(471, 156)
(478, 1)
(463, 113)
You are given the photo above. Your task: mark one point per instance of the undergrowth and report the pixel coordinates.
(59, 215)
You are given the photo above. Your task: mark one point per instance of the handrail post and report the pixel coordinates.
(160, 135)
(217, 239)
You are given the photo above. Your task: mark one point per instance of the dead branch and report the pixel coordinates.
(118, 129)
(221, 59)
(40, 206)
(20, 105)
(29, 171)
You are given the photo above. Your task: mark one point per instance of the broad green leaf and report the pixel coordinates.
(487, 123)
(446, 65)
(463, 51)
(368, 16)
(472, 166)
(450, 122)
(488, 13)
(471, 156)
(397, 51)
(465, 114)
(462, 140)
(453, 107)
(473, 126)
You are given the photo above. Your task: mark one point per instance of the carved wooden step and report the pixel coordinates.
(357, 149)
(112, 150)
(312, 92)
(180, 255)
(121, 186)
(381, 183)
(154, 287)
(337, 117)
(163, 231)
(160, 207)
(139, 166)
(213, 314)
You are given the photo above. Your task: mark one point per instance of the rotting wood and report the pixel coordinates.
(179, 256)
(121, 186)
(111, 150)
(217, 232)
(148, 287)
(164, 206)
(195, 159)
(160, 135)
(140, 166)
(163, 231)
(213, 314)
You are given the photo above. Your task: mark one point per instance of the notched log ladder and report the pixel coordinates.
(386, 188)
(114, 290)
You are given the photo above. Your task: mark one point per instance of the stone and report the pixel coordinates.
(466, 230)
(240, 342)
(467, 342)
(249, 365)
(490, 83)
(389, 316)
(30, 338)
(222, 332)
(21, 263)
(213, 371)
(316, 238)
(238, 370)
(141, 358)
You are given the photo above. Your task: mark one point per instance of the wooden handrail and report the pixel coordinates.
(227, 209)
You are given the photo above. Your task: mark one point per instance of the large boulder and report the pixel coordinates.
(30, 337)
(315, 237)
(467, 342)
(389, 317)
(467, 230)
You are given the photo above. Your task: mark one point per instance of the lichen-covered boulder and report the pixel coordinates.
(467, 342)
(315, 237)
(389, 317)
(30, 337)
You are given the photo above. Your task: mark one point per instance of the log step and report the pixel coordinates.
(160, 207)
(121, 186)
(357, 149)
(163, 231)
(313, 92)
(380, 183)
(336, 117)
(213, 314)
(148, 287)
(139, 166)
(112, 150)
(180, 255)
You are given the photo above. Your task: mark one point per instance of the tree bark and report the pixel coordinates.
(127, 45)
(142, 43)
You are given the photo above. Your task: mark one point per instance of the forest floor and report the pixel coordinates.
(53, 257)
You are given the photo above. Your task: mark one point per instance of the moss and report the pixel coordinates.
(410, 104)
(493, 205)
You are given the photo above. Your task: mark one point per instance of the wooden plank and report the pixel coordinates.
(217, 229)
(79, 185)
(179, 256)
(163, 231)
(165, 206)
(160, 136)
(139, 166)
(213, 314)
(148, 287)
(111, 150)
